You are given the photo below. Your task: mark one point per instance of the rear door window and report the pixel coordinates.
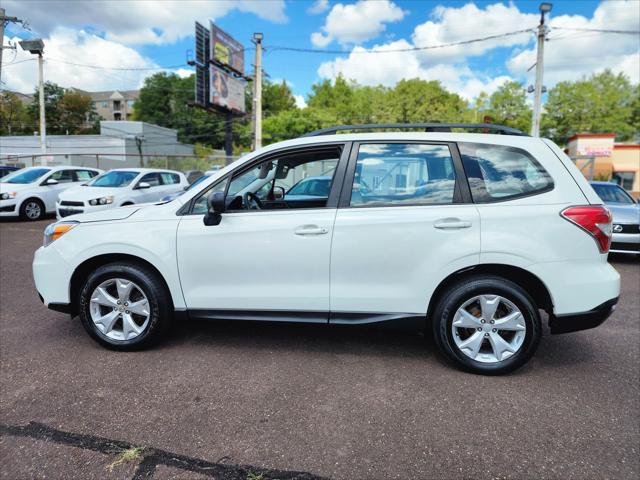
(169, 178)
(403, 174)
(498, 173)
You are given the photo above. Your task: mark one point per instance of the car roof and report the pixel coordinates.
(55, 168)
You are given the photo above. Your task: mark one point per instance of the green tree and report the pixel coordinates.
(276, 98)
(425, 101)
(602, 103)
(53, 93)
(13, 115)
(165, 100)
(76, 113)
(294, 123)
(508, 106)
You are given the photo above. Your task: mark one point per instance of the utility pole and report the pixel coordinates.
(4, 19)
(257, 93)
(537, 100)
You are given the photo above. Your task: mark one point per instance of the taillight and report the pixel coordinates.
(595, 220)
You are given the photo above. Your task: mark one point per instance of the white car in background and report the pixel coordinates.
(120, 187)
(32, 192)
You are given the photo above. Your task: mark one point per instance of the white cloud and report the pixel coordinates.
(565, 58)
(318, 7)
(452, 25)
(184, 72)
(357, 22)
(569, 55)
(359, 66)
(300, 101)
(136, 22)
(66, 45)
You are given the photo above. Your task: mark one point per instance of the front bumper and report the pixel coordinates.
(8, 208)
(575, 322)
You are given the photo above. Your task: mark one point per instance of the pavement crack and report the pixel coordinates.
(152, 457)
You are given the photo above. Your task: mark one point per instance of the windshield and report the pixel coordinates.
(114, 179)
(612, 194)
(316, 187)
(26, 176)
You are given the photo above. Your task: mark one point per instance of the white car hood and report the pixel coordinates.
(111, 214)
(81, 194)
(16, 187)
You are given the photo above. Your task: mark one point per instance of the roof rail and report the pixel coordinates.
(428, 127)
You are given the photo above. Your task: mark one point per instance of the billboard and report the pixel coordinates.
(219, 63)
(226, 50)
(226, 91)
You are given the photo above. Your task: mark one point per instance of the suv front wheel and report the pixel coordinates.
(124, 306)
(487, 324)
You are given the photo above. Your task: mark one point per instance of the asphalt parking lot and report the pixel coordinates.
(250, 401)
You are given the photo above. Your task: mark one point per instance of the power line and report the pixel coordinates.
(599, 30)
(399, 50)
(101, 67)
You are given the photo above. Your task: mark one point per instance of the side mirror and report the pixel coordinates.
(143, 185)
(278, 193)
(186, 188)
(217, 206)
(51, 181)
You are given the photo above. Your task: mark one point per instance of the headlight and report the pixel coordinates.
(102, 200)
(8, 195)
(56, 230)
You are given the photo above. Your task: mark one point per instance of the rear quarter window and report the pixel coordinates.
(497, 173)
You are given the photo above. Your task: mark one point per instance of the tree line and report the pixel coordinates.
(603, 102)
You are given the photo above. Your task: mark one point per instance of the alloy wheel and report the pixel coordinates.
(32, 210)
(119, 309)
(488, 328)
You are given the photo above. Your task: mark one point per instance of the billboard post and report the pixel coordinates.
(220, 79)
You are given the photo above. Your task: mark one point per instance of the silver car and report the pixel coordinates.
(626, 217)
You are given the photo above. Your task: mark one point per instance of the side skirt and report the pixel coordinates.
(396, 320)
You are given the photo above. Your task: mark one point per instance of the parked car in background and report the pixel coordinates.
(626, 217)
(470, 235)
(6, 170)
(120, 187)
(173, 196)
(193, 175)
(32, 192)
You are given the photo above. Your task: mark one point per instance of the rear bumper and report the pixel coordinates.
(575, 322)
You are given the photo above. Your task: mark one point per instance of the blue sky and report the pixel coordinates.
(141, 35)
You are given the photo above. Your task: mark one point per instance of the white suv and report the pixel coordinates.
(120, 187)
(32, 192)
(471, 235)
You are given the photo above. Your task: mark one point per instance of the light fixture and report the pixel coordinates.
(35, 46)
(545, 7)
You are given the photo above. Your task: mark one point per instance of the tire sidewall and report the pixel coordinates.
(462, 292)
(141, 278)
(23, 209)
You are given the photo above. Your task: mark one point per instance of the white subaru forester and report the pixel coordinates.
(469, 234)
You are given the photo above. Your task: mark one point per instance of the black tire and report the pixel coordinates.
(457, 295)
(28, 207)
(161, 310)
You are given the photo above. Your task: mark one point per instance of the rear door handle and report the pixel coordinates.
(310, 230)
(451, 224)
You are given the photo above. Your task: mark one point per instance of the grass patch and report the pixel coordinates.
(255, 476)
(133, 454)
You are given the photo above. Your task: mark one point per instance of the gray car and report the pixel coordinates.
(626, 217)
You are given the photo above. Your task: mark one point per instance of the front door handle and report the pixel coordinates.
(310, 230)
(451, 224)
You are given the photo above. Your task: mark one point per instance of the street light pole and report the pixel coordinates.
(36, 47)
(537, 100)
(257, 93)
(43, 122)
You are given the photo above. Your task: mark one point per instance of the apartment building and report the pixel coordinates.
(113, 105)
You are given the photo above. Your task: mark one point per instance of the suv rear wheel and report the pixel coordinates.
(487, 325)
(124, 306)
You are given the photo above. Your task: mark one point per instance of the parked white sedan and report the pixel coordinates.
(120, 187)
(32, 192)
